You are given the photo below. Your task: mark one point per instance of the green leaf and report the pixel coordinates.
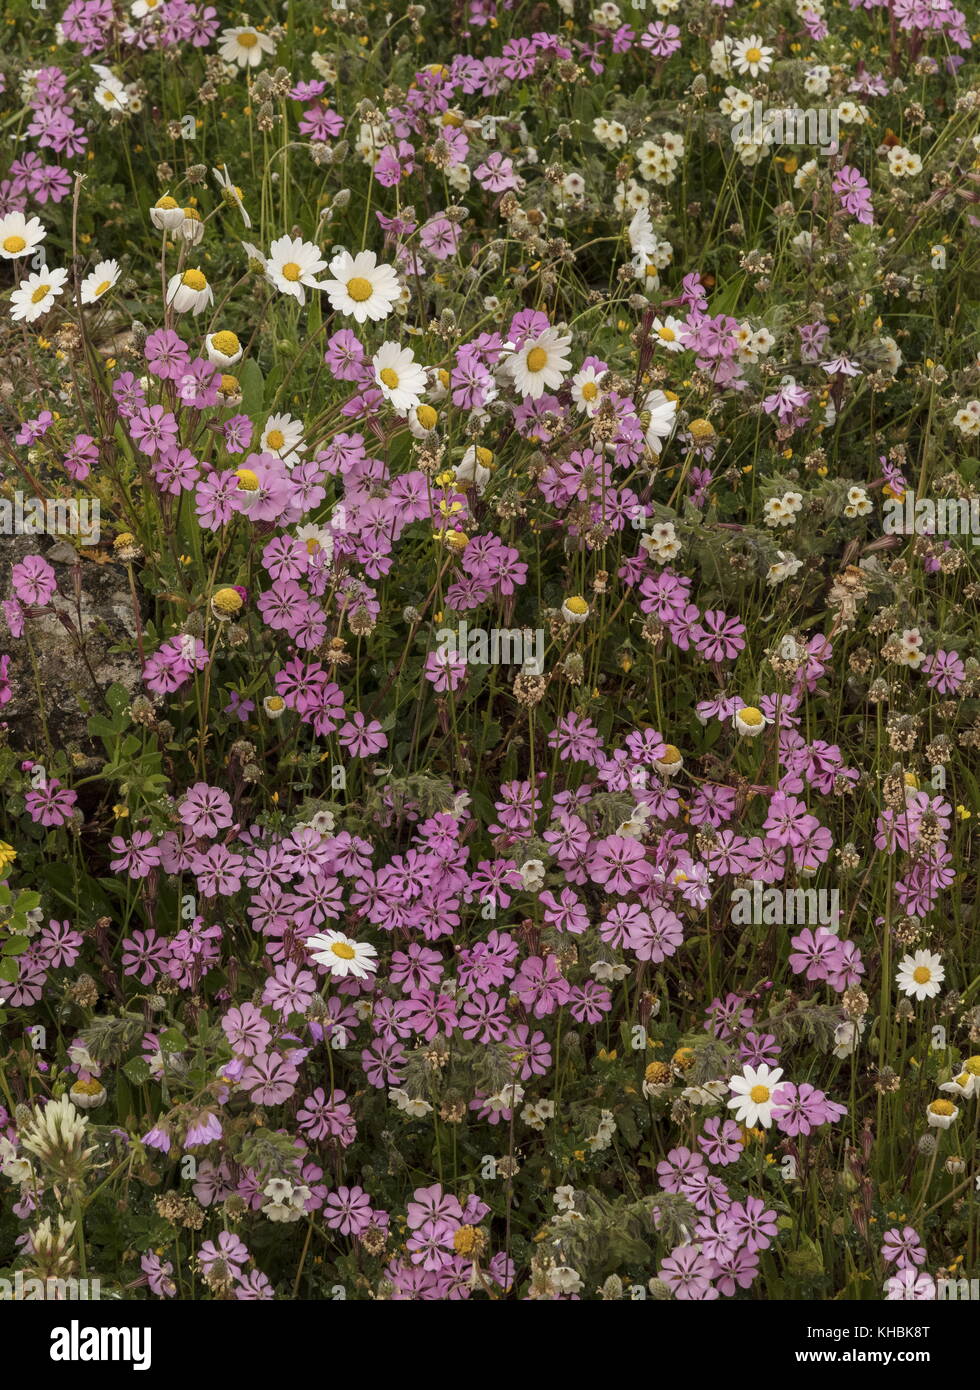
(173, 1041)
(137, 1069)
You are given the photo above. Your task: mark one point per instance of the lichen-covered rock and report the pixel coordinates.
(83, 642)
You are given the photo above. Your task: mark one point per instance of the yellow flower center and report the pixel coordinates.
(753, 55)
(759, 1094)
(247, 40)
(108, 94)
(750, 715)
(192, 214)
(291, 271)
(589, 390)
(972, 1065)
(87, 1088)
(670, 755)
(464, 1240)
(194, 280)
(275, 703)
(484, 457)
(359, 289)
(39, 293)
(14, 245)
(247, 480)
(390, 377)
(275, 440)
(537, 359)
(165, 204)
(343, 950)
(228, 385)
(226, 342)
(227, 601)
(701, 429)
(942, 1107)
(922, 974)
(101, 289)
(666, 335)
(426, 417)
(575, 604)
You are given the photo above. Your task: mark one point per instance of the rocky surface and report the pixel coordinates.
(68, 676)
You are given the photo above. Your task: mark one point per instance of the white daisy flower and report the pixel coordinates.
(400, 377)
(474, 467)
(752, 1095)
(316, 538)
(540, 364)
(19, 236)
(749, 721)
(231, 193)
(920, 975)
(342, 955)
(223, 348)
(35, 295)
(244, 46)
(586, 391)
(292, 264)
(752, 56)
(166, 214)
(283, 436)
(189, 292)
(662, 412)
(667, 332)
(361, 288)
(191, 228)
(101, 280)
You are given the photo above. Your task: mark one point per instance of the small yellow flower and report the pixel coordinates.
(226, 603)
(7, 854)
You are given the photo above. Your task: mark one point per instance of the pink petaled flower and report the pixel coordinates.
(206, 810)
(444, 670)
(688, 1274)
(618, 864)
(153, 430)
(945, 670)
(679, 1165)
(496, 173)
(801, 1109)
(661, 39)
(51, 804)
(718, 637)
(270, 1079)
(204, 1129)
(246, 1030)
(360, 738)
(721, 1141)
(138, 856)
(902, 1248)
(348, 1210)
(33, 580)
(229, 1248)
